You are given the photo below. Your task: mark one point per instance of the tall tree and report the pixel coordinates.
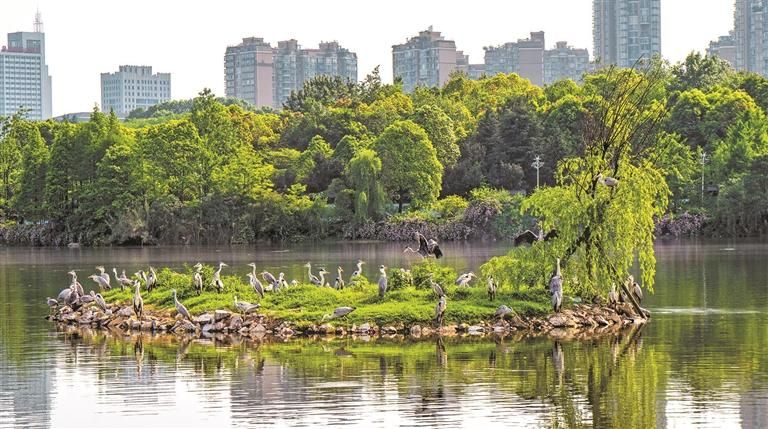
(410, 169)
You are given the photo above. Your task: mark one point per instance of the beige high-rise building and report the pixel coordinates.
(265, 76)
(427, 59)
(248, 72)
(751, 36)
(625, 31)
(524, 57)
(725, 48)
(565, 62)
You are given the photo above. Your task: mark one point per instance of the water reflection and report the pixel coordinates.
(700, 362)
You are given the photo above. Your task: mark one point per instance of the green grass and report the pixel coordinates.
(306, 304)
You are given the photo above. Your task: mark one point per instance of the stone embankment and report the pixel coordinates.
(578, 322)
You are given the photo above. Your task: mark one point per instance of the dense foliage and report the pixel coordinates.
(367, 160)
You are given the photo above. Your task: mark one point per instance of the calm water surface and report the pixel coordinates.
(701, 362)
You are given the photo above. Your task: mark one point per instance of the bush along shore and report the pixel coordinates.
(407, 308)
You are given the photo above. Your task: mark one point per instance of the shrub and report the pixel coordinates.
(427, 268)
(400, 279)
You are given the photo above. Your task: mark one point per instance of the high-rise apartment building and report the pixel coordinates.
(724, 47)
(565, 62)
(133, 87)
(24, 79)
(427, 59)
(625, 31)
(524, 57)
(249, 71)
(266, 76)
(751, 36)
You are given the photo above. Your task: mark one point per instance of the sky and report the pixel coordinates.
(188, 38)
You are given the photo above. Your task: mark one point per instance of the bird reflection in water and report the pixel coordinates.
(138, 353)
(440, 354)
(558, 361)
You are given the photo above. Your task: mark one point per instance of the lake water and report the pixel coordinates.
(701, 361)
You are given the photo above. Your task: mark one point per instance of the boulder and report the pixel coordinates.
(220, 315)
(124, 312)
(235, 323)
(205, 318)
(416, 330)
(475, 330)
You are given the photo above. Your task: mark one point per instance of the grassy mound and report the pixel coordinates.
(306, 304)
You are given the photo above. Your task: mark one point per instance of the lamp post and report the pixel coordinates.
(537, 164)
(703, 161)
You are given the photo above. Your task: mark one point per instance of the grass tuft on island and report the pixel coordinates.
(305, 304)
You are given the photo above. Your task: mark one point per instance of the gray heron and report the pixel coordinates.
(256, 284)
(180, 308)
(464, 279)
(382, 281)
(440, 310)
(339, 283)
(503, 311)
(245, 307)
(87, 299)
(151, 279)
(339, 312)
(138, 303)
(426, 247)
(635, 289)
(556, 289)
(322, 273)
(197, 278)
(492, 288)
(613, 296)
(358, 271)
(52, 303)
(122, 279)
(281, 283)
(101, 303)
(105, 276)
(65, 293)
(99, 280)
(530, 237)
(75, 283)
(312, 278)
(216, 280)
(607, 181)
(269, 278)
(436, 287)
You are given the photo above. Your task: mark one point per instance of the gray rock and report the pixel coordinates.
(124, 312)
(220, 315)
(205, 319)
(235, 323)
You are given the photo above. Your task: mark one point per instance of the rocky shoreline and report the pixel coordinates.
(582, 321)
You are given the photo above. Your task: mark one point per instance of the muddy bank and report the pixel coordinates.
(582, 321)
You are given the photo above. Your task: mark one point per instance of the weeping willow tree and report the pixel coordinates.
(602, 230)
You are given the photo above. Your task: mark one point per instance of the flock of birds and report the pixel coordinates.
(75, 297)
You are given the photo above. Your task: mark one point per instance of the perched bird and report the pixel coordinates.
(245, 307)
(440, 310)
(607, 181)
(358, 271)
(216, 281)
(464, 279)
(426, 247)
(382, 281)
(613, 296)
(530, 237)
(99, 281)
(635, 289)
(87, 299)
(103, 274)
(339, 283)
(436, 288)
(180, 308)
(65, 293)
(138, 303)
(269, 278)
(52, 303)
(312, 278)
(281, 283)
(503, 311)
(339, 312)
(322, 274)
(75, 283)
(197, 278)
(556, 289)
(491, 288)
(101, 303)
(256, 284)
(151, 279)
(122, 279)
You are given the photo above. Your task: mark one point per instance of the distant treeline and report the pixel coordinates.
(346, 159)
